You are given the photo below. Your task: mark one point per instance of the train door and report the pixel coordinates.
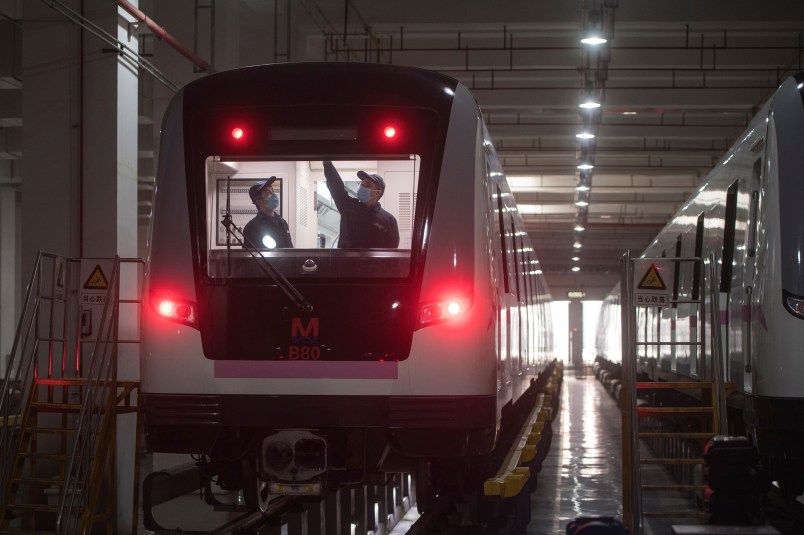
(673, 311)
(516, 310)
(695, 318)
(755, 185)
(731, 303)
(685, 311)
(663, 349)
(503, 301)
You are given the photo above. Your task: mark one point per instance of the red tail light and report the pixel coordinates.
(389, 131)
(238, 133)
(439, 311)
(175, 310)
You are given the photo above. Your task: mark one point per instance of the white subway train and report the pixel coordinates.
(748, 212)
(290, 370)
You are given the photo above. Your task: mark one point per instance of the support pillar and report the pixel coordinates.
(575, 312)
(79, 193)
(10, 287)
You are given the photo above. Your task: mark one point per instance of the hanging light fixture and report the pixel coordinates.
(593, 36)
(589, 99)
(589, 103)
(584, 181)
(585, 161)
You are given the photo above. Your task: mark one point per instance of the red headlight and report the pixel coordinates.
(439, 311)
(175, 310)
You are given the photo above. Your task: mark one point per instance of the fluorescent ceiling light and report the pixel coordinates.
(594, 40)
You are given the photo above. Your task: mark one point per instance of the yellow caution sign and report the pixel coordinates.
(650, 288)
(97, 280)
(652, 280)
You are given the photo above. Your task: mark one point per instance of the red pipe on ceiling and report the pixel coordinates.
(160, 33)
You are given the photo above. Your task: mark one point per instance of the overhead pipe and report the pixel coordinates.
(163, 35)
(333, 38)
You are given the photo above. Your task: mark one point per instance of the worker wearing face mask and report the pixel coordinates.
(364, 223)
(267, 230)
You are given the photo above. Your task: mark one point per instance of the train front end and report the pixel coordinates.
(319, 364)
(777, 299)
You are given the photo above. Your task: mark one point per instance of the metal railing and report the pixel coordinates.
(65, 350)
(706, 276)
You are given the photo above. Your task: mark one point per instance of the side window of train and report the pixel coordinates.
(503, 248)
(531, 278)
(686, 268)
(516, 260)
(728, 238)
(677, 271)
(696, 274)
(756, 178)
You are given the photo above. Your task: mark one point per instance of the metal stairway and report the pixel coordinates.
(61, 397)
(664, 432)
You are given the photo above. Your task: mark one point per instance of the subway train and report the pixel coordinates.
(747, 212)
(290, 370)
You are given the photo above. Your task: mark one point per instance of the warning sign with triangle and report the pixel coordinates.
(97, 280)
(652, 280)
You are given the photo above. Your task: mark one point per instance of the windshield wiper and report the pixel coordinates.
(285, 285)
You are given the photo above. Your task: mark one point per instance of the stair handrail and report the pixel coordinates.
(18, 374)
(97, 410)
(632, 495)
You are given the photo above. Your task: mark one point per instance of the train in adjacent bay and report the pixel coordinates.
(748, 213)
(289, 370)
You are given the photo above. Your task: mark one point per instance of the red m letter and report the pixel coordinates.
(297, 329)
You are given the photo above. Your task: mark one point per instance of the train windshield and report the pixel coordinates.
(303, 216)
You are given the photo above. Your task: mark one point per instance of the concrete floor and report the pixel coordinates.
(582, 473)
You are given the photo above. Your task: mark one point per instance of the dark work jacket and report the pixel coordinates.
(362, 226)
(276, 227)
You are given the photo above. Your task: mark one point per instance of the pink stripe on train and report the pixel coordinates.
(294, 369)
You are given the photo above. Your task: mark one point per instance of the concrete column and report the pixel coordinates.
(80, 189)
(576, 332)
(52, 135)
(10, 287)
